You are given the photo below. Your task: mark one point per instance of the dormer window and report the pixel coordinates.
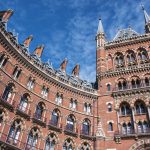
(44, 91)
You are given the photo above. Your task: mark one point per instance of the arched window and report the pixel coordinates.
(31, 83)
(125, 109)
(85, 146)
(145, 127)
(9, 94)
(24, 102)
(32, 139)
(59, 98)
(16, 72)
(68, 144)
(122, 84)
(44, 91)
(108, 87)
(119, 60)
(86, 127)
(14, 132)
(39, 111)
(131, 58)
(70, 123)
(55, 117)
(142, 55)
(109, 107)
(140, 127)
(50, 142)
(136, 83)
(110, 126)
(140, 107)
(2, 113)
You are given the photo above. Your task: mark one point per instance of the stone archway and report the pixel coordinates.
(141, 145)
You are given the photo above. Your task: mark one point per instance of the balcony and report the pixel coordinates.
(9, 104)
(132, 133)
(55, 126)
(23, 112)
(39, 120)
(86, 135)
(11, 143)
(71, 131)
(131, 89)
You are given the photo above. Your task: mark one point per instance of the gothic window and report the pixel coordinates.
(131, 58)
(119, 60)
(86, 127)
(39, 111)
(1, 116)
(32, 139)
(140, 108)
(108, 87)
(87, 108)
(14, 132)
(68, 144)
(55, 117)
(70, 123)
(136, 83)
(110, 126)
(9, 94)
(124, 128)
(125, 110)
(73, 104)
(109, 107)
(143, 56)
(24, 102)
(85, 146)
(16, 72)
(50, 142)
(122, 85)
(59, 98)
(44, 91)
(31, 83)
(3, 60)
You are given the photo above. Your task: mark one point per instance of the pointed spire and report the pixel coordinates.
(75, 71)
(63, 65)
(100, 27)
(38, 51)
(146, 16)
(5, 15)
(27, 41)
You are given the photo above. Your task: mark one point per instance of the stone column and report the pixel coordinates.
(148, 109)
(118, 122)
(133, 117)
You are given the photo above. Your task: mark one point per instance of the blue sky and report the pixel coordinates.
(67, 28)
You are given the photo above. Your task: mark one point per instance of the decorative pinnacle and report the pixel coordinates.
(100, 27)
(146, 16)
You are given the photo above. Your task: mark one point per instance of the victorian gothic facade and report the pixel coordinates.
(42, 108)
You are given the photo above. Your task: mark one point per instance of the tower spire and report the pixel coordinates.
(147, 20)
(100, 27)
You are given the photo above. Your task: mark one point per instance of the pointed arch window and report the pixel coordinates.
(73, 104)
(140, 108)
(110, 126)
(125, 110)
(9, 94)
(24, 102)
(109, 107)
(31, 83)
(32, 139)
(14, 132)
(16, 72)
(59, 98)
(45, 91)
(85, 146)
(108, 87)
(70, 123)
(39, 111)
(68, 144)
(50, 142)
(55, 117)
(147, 81)
(86, 127)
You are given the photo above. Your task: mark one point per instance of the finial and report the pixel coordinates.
(38, 51)
(100, 27)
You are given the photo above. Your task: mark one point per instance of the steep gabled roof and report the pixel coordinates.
(125, 34)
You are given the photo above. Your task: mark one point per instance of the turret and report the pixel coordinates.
(147, 20)
(100, 47)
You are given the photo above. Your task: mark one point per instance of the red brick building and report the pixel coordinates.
(42, 108)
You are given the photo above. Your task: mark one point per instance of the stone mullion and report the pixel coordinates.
(133, 117)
